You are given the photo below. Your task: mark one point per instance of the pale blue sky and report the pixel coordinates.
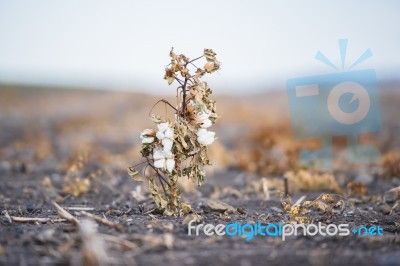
(125, 44)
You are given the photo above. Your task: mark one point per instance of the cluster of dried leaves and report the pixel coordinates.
(326, 203)
(391, 164)
(179, 147)
(77, 180)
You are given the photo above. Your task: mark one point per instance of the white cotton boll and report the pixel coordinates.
(206, 123)
(169, 133)
(205, 137)
(159, 163)
(160, 135)
(210, 138)
(147, 140)
(163, 126)
(158, 154)
(167, 144)
(202, 116)
(201, 132)
(170, 165)
(202, 139)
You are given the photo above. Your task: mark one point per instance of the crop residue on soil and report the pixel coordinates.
(73, 148)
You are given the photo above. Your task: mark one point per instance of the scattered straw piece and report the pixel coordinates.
(77, 208)
(35, 219)
(66, 215)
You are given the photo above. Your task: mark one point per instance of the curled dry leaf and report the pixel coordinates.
(185, 208)
(134, 174)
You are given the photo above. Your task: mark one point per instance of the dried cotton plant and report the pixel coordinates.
(178, 148)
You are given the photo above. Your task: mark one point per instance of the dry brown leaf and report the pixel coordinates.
(170, 80)
(209, 67)
(134, 174)
(185, 208)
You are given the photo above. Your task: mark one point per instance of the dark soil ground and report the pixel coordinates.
(50, 138)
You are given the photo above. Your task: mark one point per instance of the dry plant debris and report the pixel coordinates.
(326, 203)
(391, 164)
(75, 183)
(304, 180)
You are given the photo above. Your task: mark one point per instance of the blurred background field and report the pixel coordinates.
(73, 147)
(53, 124)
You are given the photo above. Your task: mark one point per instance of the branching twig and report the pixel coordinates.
(184, 98)
(158, 173)
(191, 61)
(164, 101)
